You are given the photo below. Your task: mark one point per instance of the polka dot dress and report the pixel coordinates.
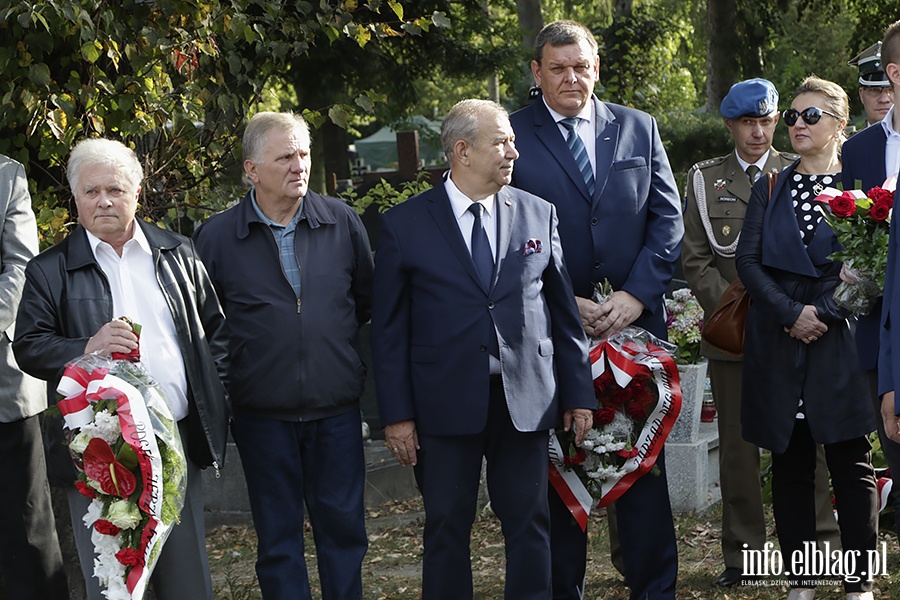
(804, 189)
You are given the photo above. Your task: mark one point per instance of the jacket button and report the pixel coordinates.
(483, 348)
(490, 305)
(596, 264)
(727, 212)
(594, 221)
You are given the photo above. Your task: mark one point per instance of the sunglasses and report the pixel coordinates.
(809, 115)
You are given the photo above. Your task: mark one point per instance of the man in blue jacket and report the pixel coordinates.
(604, 168)
(293, 269)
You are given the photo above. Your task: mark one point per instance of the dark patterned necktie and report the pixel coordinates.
(576, 146)
(481, 248)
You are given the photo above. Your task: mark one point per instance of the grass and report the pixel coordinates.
(392, 567)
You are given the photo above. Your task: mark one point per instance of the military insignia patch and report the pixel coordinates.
(727, 199)
(720, 184)
(726, 230)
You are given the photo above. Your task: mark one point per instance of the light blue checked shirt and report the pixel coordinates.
(284, 237)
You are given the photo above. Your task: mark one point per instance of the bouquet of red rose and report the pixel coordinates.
(861, 222)
(130, 462)
(639, 397)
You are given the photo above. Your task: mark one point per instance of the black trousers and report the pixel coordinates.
(30, 558)
(793, 501)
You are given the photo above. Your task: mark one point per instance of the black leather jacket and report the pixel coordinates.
(67, 299)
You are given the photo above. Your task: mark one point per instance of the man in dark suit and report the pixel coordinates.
(604, 168)
(867, 159)
(478, 352)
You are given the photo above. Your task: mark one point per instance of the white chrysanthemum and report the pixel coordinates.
(105, 426)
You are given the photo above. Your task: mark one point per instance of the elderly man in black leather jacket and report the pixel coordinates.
(114, 265)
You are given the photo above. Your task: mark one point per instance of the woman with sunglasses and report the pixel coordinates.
(801, 385)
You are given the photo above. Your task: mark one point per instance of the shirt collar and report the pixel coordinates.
(586, 113)
(461, 203)
(262, 216)
(138, 239)
(761, 163)
(887, 123)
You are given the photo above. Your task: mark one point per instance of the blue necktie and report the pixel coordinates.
(576, 146)
(481, 248)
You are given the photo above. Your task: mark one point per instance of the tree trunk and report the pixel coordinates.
(531, 21)
(722, 53)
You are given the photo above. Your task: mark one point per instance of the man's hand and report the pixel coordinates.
(807, 328)
(590, 316)
(889, 416)
(617, 313)
(115, 336)
(582, 419)
(402, 441)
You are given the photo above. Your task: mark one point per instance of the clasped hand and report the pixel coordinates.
(605, 320)
(807, 328)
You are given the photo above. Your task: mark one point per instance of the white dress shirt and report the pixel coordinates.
(136, 295)
(891, 146)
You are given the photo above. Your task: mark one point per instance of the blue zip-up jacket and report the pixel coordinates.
(292, 359)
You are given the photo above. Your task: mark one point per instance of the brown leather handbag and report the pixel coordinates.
(724, 330)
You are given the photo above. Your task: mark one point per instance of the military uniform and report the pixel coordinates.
(716, 197)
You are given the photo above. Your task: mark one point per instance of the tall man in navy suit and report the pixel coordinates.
(868, 158)
(620, 220)
(478, 352)
(889, 150)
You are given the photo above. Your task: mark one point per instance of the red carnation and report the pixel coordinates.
(880, 211)
(637, 410)
(575, 460)
(85, 489)
(129, 557)
(604, 416)
(881, 196)
(843, 206)
(106, 528)
(627, 453)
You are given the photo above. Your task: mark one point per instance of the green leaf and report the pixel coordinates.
(397, 8)
(91, 51)
(339, 115)
(40, 74)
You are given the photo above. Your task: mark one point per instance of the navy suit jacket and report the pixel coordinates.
(630, 230)
(432, 319)
(862, 157)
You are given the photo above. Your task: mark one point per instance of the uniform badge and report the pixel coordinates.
(726, 230)
(720, 184)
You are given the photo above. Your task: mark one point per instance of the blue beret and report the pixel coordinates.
(751, 98)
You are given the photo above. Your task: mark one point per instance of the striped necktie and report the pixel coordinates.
(576, 146)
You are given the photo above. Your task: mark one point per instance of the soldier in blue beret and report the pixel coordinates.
(716, 198)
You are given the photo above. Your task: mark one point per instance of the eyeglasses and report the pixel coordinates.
(877, 92)
(810, 115)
